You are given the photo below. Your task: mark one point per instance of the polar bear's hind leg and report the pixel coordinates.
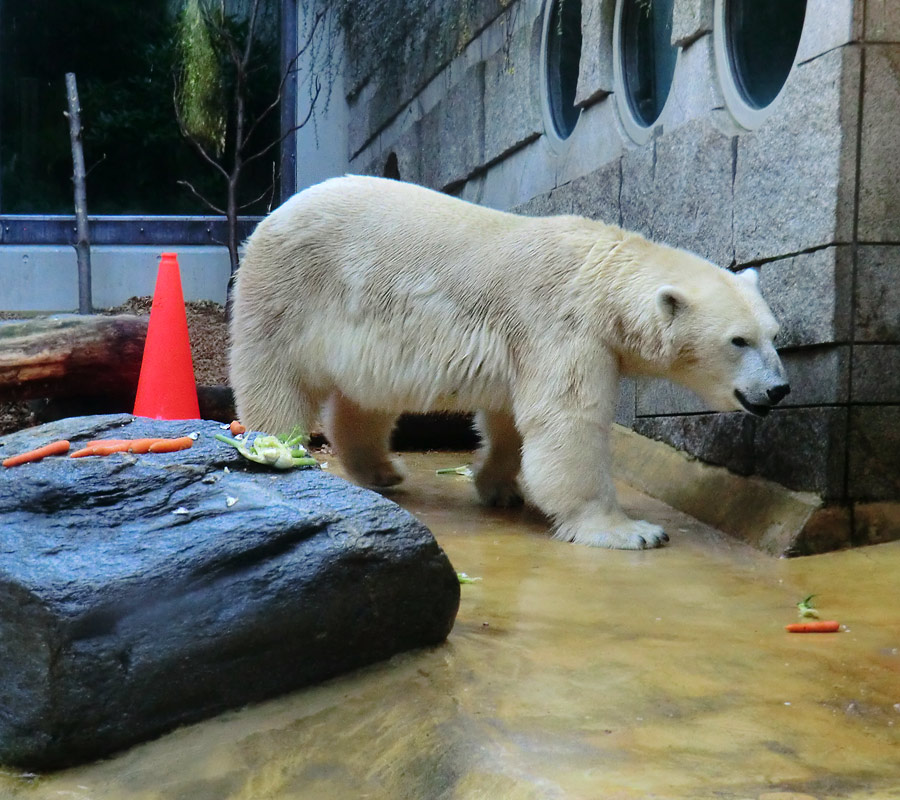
(362, 439)
(499, 460)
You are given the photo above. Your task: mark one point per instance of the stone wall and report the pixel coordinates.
(811, 196)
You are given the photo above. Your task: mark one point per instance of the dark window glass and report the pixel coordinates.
(762, 38)
(563, 59)
(648, 58)
(124, 55)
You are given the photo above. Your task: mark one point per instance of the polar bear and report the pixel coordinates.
(371, 297)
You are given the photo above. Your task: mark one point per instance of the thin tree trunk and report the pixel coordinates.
(82, 243)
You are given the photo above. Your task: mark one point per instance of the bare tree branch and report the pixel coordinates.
(270, 189)
(251, 29)
(201, 198)
(289, 70)
(289, 131)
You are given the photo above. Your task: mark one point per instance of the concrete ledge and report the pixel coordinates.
(756, 511)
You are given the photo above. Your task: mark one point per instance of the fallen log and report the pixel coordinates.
(71, 356)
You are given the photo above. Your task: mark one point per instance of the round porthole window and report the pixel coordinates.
(756, 43)
(561, 58)
(644, 62)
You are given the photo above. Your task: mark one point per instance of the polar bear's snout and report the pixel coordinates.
(778, 393)
(761, 382)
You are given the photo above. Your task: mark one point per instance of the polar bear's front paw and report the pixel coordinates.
(619, 533)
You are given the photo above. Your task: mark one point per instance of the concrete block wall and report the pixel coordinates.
(810, 196)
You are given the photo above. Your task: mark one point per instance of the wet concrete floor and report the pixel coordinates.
(572, 673)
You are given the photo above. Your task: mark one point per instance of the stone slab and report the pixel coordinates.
(879, 170)
(882, 19)
(135, 596)
(595, 69)
(595, 195)
(878, 294)
(512, 93)
(876, 373)
(828, 24)
(794, 176)
(691, 19)
(725, 440)
(695, 92)
(804, 449)
(595, 143)
(809, 294)
(874, 458)
(677, 189)
(817, 375)
(452, 133)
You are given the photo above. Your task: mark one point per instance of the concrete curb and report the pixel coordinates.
(764, 514)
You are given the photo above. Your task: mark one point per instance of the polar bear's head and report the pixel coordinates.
(722, 335)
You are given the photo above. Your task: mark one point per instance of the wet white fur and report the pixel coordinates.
(372, 297)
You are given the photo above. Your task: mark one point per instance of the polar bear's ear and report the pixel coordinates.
(671, 301)
(750, 276)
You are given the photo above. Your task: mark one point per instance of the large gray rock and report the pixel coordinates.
(136, 596)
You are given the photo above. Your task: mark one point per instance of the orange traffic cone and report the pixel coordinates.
(166, 387)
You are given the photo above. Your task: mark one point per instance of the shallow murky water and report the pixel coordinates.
(572, 673)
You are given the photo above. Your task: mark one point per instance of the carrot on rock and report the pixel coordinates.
(56, 448)
(171, 445)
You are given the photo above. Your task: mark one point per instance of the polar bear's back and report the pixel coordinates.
(351, 222)
(399, 296)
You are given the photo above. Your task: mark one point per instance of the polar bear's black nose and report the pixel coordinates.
(778, 393)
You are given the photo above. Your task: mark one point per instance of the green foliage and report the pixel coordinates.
(200, 94)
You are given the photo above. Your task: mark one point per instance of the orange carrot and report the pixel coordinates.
(104, 442)
(816, 626)
(53, 449)
(172, 445)
(106, 447)
(237, 428)
(109, 449)
(84, 451)
(142, 445)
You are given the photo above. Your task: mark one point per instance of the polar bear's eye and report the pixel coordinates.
(740, 341)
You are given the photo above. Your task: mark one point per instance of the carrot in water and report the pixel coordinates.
(816, 626)
(53, 449)
(237, 428)
(172, 445)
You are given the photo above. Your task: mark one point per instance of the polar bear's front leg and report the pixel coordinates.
(567, 472)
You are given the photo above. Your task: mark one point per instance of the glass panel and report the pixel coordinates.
(563, 60)
(124, 57)
(763, 36)
(648, 58)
